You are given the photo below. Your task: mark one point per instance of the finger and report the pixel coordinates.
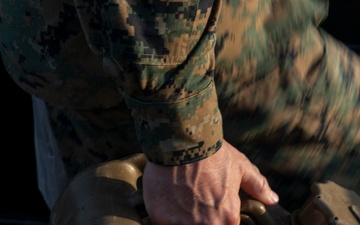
(256, 185)
(252, 181)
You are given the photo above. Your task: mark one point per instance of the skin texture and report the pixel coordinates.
(204, 192)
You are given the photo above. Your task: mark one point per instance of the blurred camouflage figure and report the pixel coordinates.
(259, 73)
(289, 94)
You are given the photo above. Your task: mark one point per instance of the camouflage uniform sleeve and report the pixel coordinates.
(161, 55)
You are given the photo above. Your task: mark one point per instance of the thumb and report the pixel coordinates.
(256, 185)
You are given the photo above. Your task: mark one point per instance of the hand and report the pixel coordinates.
(204, 192)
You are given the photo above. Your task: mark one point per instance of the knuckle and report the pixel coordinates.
(232, 217)
(263, 185)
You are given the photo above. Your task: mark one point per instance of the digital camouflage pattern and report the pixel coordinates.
(177, 79)
(287, 91)
(161, 53)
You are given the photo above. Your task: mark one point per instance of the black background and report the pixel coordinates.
(20, 200)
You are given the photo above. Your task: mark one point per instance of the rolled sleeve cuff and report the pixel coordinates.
(178, 132)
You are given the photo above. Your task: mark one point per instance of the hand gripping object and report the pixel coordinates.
(110, 194)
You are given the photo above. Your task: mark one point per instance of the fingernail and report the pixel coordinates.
(274, 198)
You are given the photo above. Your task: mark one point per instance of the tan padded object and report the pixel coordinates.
(110, 194)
